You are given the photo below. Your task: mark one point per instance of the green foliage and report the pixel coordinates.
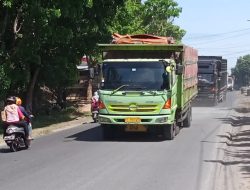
(7, 3)
(154, 17)
(4, 81)
(158, 17)
(128, 18)
(55, 117)
(50, 36)
(242, 71)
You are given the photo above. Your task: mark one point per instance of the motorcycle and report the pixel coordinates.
(95, 115)
(95, 110)
(15, 138)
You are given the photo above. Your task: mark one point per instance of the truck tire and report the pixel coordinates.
(169, 131)
(107, 132)
(187, 120)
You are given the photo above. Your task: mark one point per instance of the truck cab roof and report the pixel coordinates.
(135, 60)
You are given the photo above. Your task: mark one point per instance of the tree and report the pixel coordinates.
(242, 71)
(158, 17)
(42, 41)
(153, 17)
(128, 18)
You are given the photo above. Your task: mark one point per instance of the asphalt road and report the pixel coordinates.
(79, 158)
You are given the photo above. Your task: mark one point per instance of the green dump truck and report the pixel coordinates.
(146, 88)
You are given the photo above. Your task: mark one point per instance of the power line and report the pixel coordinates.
(219, 34)
(224, 47)
(212, 41)
(235, 53)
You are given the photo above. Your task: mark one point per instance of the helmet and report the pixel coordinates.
(11, 99)
(18, 101)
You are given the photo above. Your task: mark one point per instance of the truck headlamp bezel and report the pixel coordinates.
(161, 120)
(104, 119)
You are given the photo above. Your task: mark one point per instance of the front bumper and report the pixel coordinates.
(138, 119)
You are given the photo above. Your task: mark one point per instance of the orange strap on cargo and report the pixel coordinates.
(141, 39)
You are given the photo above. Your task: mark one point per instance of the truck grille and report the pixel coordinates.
(134, 108)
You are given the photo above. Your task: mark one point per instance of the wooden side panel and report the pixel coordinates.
(189, 79)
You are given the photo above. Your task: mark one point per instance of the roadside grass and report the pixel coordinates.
(55, 117)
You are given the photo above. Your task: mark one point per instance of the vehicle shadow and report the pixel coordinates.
(95, 134)
(5, 150)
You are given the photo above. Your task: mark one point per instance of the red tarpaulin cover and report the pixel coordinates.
(141, 39)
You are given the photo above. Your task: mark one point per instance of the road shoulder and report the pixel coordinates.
(233, 171)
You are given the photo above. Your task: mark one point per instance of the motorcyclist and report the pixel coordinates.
(95, 102)
(25, 113)
(14, 116)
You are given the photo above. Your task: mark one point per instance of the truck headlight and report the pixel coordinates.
(161, 120)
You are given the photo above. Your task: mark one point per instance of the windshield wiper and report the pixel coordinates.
(119, 88)
(152, 92)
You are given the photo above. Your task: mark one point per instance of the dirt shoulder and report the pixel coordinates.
(38, 132)
(234, 168)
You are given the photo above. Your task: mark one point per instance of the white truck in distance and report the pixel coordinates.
(230, 83)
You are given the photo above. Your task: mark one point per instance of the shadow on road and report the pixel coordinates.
(227, 163)
(241, 148)
(95, 134)
(236, 120)
(5, 150)
(238, 148)
(202, 104)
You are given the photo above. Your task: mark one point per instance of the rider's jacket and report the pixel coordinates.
(13, 113)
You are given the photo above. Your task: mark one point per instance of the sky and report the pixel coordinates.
(216, 27)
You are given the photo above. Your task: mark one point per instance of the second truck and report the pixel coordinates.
(212, 79)
(147, 88)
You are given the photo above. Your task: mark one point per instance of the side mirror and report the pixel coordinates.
(179, 69)
(168, 69)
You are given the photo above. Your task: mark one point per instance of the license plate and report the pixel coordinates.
(132, 120)
(6, 138)
(135, 128)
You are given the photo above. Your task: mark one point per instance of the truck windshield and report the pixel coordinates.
(134, 76)
(205, 78)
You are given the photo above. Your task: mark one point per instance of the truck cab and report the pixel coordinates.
(230, 83)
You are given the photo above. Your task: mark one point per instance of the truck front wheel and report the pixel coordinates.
(169, 131)
(187, 120)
